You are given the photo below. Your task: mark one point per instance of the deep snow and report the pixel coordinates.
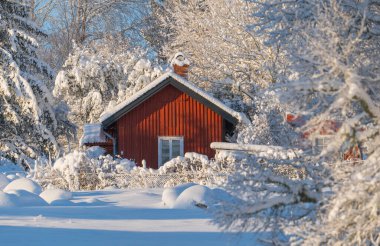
(113, 217)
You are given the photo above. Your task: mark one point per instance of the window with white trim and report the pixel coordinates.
(169, 148)
(321, 142)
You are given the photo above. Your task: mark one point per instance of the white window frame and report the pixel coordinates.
(170, 138)
(325, 139)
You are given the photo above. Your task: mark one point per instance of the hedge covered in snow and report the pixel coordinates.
(92, 169)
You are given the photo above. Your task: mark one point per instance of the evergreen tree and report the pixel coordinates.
(27, 118)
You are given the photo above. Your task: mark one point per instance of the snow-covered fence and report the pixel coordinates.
(157, 180)
(128, 180)
(82, 171)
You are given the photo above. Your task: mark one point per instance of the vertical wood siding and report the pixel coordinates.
(170, 112)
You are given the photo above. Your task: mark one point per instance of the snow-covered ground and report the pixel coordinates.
(113, 217)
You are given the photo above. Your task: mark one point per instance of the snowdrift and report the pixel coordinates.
(16, 191)
(189, 196)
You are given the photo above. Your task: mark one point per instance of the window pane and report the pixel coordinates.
(176, 148)
(321, 143)
(165, 151)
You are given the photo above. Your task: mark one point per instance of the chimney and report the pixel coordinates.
(180, 64)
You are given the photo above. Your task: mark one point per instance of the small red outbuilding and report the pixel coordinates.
(166, 119)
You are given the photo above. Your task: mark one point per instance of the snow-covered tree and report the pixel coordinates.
(333, 50)
(269, 126)
(351, 215)
(224, 54)
(100, 76)
(27, 117)
(84, 21)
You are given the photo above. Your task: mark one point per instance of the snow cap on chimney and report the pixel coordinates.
(180, 64)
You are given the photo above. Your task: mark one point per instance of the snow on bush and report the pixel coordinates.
(52, 195)
(192, 162)
(24, 184)
(79, 170)
(111, 165)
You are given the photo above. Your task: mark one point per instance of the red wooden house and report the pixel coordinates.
(319, 137)
(167, 118)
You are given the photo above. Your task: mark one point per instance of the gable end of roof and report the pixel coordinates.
(117, 115)
(182, 85)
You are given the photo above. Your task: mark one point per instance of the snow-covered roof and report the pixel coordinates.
(92, 133)
(111, 116)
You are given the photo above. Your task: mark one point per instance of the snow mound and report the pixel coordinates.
(4, 181)
(27, 199)
(24, 184)
(197, 195)
(170, 195)
(53, 195)
(7, 200)
(191, 195)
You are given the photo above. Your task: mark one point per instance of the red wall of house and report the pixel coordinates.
(170, 112)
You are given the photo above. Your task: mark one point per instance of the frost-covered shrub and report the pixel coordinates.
(78, 170)
(91, 170)
(82, 170)
(196, 168)
(273, 192)
(192, 162)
